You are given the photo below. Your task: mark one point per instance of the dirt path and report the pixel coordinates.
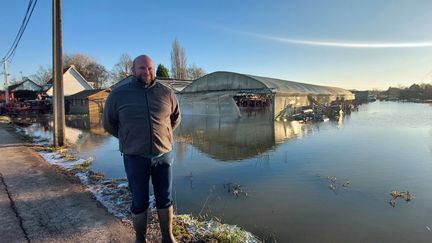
(39, 204)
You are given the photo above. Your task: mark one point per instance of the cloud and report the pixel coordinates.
(337, 44)
(350, 44)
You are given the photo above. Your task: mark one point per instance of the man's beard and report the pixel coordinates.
(140, 79)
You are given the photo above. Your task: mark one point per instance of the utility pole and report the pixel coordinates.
(58, 97)
(6, 81)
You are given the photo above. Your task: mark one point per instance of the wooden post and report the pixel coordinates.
(58, 97)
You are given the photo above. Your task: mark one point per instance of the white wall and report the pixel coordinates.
(72, 84)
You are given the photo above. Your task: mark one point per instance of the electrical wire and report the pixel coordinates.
(11, 52)
(25, 26)
(21, 28)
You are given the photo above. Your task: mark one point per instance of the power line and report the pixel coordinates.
(27, 16)
(28, 19)
(21, 28)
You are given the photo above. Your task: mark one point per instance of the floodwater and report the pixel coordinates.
(320, 182)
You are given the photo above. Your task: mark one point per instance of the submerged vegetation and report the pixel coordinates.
(402, 195)
(336, 185)
(235, 189)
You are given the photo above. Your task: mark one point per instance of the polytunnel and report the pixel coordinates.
(233, 94)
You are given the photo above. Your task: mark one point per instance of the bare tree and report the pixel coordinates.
(42, 75)
(98, 74)
(122, 69)
(79, 60)
(178, 61)
(13, 80)
(195, 72)
(88, 68)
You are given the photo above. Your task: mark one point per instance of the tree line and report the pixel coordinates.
(415, 91)
(96, 73)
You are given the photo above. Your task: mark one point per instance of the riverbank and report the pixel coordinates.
(39, 203)
(114, 196)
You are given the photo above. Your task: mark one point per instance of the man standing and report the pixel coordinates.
(142, 114)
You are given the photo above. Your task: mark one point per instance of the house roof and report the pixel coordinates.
(13, 86)
(175, 84)
(16, 85)
(84, 94)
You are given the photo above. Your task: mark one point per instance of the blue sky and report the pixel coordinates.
(351, 44)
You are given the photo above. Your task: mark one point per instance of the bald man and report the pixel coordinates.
(143, 114)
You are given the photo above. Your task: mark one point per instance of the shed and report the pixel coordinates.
(89, 102)
(227, 93)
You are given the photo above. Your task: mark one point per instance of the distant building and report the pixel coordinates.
(89, 102)
(393, 93)
(175, 84)
(23, 90)
(73, 82)
(26, 84)
(361, 96)
(364, 96)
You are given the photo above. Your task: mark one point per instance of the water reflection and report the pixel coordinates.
(221, 138)
(228, 139)
(86, 132)
(80, 131)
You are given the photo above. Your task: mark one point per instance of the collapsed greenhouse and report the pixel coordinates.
(234, 94)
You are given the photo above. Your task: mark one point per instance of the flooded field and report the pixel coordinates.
(292, 182)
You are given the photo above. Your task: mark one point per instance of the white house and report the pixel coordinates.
(73, 82)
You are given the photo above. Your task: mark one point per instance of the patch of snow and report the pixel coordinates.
(122, 185)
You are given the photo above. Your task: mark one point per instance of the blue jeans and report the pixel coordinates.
(139, 170)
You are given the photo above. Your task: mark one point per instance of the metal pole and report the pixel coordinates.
(6, 81)
(58, 98)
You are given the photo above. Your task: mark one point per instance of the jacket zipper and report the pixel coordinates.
(149, 122)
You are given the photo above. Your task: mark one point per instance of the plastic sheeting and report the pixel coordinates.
(224, 81)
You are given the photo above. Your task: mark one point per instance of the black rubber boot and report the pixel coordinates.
(140, 225)
(165, 221)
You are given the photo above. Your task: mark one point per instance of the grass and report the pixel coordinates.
(85, 166)
(40, 148)
(181, 232)
(5, 119)
(190, 229)
(226, 234)
(62, 151)
(95, 176)
(67, 156)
